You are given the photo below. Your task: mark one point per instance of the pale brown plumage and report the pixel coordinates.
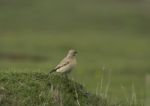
(67, 64)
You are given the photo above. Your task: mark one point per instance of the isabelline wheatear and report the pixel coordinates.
(67, 64)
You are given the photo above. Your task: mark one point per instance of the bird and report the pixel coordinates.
(67, 64)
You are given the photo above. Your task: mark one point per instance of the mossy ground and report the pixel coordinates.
(39, 89)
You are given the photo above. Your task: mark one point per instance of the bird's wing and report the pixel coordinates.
(62, 64)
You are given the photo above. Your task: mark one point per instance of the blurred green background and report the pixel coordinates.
(112, 39)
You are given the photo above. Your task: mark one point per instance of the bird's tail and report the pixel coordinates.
(53, 70)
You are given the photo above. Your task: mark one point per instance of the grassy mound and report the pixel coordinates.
(39, 89)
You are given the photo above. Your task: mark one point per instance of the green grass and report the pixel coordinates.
(126, 57)
(39, 89)
(35, 36)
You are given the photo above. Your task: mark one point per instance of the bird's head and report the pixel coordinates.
(72, 52)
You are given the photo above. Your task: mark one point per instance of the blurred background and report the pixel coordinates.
(112, 39)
